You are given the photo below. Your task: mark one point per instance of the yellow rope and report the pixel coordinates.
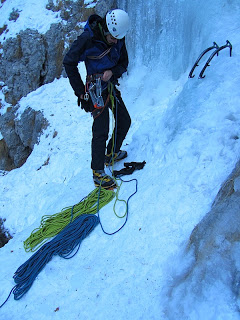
(110, 90)
(51, 225)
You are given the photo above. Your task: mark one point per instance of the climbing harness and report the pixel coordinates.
(98, 110)
(216, 51)
(93, 90)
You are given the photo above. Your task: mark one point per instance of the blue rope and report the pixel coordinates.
(7, 297)
(63, 245)
(127, 212)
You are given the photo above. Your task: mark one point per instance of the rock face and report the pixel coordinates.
(19, 136)
(29, 61)
(6, 163)
(33, 59)
(4, 234)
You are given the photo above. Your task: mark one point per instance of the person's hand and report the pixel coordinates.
(85, 105)
(79, 99)
(107, 75)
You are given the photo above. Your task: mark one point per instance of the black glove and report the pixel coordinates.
(85, 105)
(130, 167)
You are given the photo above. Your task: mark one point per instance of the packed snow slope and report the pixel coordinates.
(187, 131)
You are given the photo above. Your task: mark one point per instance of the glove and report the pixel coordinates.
(85, 105)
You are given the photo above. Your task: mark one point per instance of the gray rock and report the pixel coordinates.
(6, 162)
(32, 59)
(29, 61)
(14, 15)
(54, 48)
(102, 7)
(4, 234)
(19, 136)
(29, 127)
(21, 64)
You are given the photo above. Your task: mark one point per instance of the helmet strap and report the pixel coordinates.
(103, 33)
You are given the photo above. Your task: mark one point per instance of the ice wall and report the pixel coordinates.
(167, 36)
(170, 34)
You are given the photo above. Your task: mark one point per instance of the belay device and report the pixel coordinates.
(215, 52)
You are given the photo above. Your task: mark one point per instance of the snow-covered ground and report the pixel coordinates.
(186, 130)
(32, 14)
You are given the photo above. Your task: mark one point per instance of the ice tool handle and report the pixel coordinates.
(95, 91)
(207, 64)
(196, 64)
(227, 45)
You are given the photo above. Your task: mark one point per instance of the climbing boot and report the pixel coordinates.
(112, 158)
(100, 178)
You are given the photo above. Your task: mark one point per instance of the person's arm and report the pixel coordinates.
(71, 60)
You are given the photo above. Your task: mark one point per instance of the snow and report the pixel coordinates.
(187, 131)
(32, 14)
(90, 3)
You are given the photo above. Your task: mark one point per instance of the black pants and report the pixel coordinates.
(100, 130)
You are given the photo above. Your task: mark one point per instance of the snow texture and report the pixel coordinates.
(187, 131)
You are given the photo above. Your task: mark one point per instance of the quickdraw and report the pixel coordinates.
(94, 89)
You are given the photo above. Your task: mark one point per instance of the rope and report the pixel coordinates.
(51, 225)
(63, 245)
(70, 227)
(112, 95)
(126, 213)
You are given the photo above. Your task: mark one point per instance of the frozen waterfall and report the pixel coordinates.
(172, 33)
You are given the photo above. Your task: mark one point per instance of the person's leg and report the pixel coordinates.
(100, 131)
(122, 124)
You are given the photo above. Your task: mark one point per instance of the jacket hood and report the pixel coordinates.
(92, 23)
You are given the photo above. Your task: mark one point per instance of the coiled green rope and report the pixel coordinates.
(51, 225)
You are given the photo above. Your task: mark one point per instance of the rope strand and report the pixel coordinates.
(112, 95)
(51, 225)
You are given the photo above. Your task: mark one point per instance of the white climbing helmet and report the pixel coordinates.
(117, 23)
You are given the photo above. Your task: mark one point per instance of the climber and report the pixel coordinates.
(102, 47)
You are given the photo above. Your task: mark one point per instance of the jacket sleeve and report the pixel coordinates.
(122, 65)
(71, 60)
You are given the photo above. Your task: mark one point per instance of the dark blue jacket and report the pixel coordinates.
(88, 47)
